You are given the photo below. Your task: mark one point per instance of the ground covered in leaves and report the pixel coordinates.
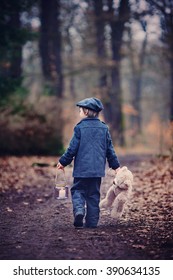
(34, 225)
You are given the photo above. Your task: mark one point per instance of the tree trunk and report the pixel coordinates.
(137, 69)
(16, 56)
(171, 67)
(138, 86)
(165, 8)
(171, 99)
(50, 44)
(44, 38)
(70, 62)
(101, 54)
(117, 30)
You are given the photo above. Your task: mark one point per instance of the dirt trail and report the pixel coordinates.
(33, 225)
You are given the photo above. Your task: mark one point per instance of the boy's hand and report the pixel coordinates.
(60, 166)
(116, 170)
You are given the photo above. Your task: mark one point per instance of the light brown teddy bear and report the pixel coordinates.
(118, 193)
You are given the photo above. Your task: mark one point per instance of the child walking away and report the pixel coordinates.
(90, 147)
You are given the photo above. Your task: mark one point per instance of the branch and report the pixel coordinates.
(158, 6)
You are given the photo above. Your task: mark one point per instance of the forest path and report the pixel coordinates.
(33, 225)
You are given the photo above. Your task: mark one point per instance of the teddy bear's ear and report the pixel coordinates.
(124, 168)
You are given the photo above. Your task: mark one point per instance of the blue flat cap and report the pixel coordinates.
(91, 103)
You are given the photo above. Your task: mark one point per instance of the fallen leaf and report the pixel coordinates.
(9, 209)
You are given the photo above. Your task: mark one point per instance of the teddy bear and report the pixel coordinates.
(119, 193)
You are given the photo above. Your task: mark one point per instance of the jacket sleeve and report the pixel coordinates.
(71, 151)
(110, 153)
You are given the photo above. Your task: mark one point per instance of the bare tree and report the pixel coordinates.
(50, 44)
(69, 12)
(100, 21)
(117, 22)
(137, 70)
(165, 9)
(109, 77)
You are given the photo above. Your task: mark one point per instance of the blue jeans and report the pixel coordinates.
(85, 194)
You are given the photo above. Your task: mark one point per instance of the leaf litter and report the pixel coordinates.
(33, 225)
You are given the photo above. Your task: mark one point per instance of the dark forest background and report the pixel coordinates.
(57, 52)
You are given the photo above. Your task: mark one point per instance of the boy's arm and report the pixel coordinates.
(60, 166)
(116, 170)
(71, 151)
(111, 155)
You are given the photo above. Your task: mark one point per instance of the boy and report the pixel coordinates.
(90, 146)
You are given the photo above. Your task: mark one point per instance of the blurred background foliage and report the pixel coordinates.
(54, 53)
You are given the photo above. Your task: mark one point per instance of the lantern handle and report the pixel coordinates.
(64, 175)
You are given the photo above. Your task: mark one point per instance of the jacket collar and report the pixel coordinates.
(86, 119)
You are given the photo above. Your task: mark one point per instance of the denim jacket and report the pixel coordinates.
(90, 146)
